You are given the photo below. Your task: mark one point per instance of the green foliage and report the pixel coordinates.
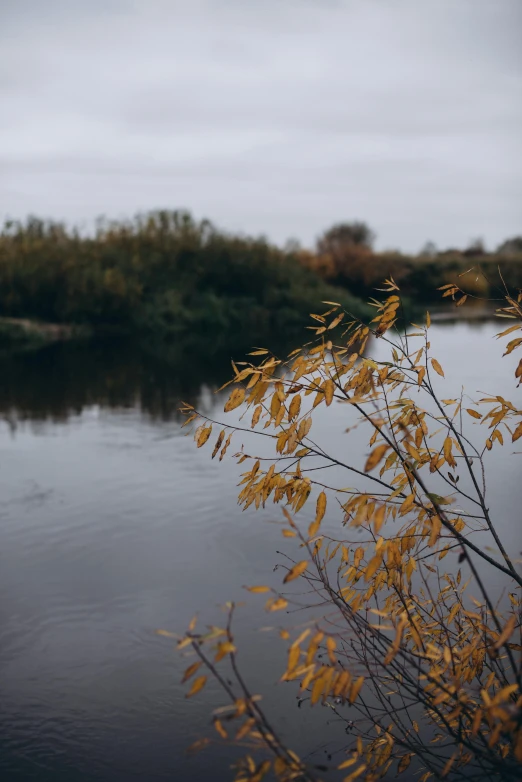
(162, 273)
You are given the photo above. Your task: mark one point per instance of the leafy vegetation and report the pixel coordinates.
(165, 275)
(162, 274)
(344, 256)
(418, 651)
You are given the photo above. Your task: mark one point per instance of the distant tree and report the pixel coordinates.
(511, 246)
(292, 245)
(429, 250)
(343, 252)
(343, 236)
(475, 247)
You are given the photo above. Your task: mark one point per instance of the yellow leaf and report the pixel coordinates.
(355, 774)
(348, 763)
(275, 405)
(497, 435)
(235, 399)
(373, 565)
(407, 504)
(320, 510)
(197, 685)
(202, 435)
(300, 638)
(258, 589)
(296, 571)
(437, 367)
(329, 389)
(448, 455)
(473, 413)
(256, 416)
(244, 730)
(303, 496)
(508, 331)
(224, 648)
(295, 406)
(317, 690)
(506, 632)
(355, 689)
(517, 433)
(335, 322)
(278, 604)
(191, 670)
(330, 646)
(293, 658)
(220, 729)
(218, 443)
(375, 457)
(428, 320)
(224, 449)
(379, 517)
(510, 347)
(404, 762)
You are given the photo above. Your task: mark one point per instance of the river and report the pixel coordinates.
(113, 525)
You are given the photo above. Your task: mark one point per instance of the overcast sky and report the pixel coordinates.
(267, 116)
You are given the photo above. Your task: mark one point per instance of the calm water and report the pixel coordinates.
(112, 525)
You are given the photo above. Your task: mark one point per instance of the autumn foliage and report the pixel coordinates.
(428, 659)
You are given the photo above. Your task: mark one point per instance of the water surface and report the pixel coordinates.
(112, 525)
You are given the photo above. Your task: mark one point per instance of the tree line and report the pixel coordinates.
(345, 256)
(165, 273)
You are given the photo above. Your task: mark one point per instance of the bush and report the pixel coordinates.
(420, 672)
(163, 273)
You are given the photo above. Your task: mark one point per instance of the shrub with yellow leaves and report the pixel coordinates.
(433, 673)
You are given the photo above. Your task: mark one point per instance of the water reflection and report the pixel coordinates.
(63, 379)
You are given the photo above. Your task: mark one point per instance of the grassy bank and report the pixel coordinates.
(163, 275)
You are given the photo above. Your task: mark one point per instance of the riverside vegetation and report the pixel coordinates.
(167, 276)
(163, 275)
(417, 646)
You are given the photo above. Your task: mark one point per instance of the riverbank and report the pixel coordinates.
(163, 276)
(166, 278)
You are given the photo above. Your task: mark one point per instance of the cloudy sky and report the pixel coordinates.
(267, 116)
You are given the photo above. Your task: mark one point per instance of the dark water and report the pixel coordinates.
(112, 525)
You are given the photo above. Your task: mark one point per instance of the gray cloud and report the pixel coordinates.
(277, 117)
